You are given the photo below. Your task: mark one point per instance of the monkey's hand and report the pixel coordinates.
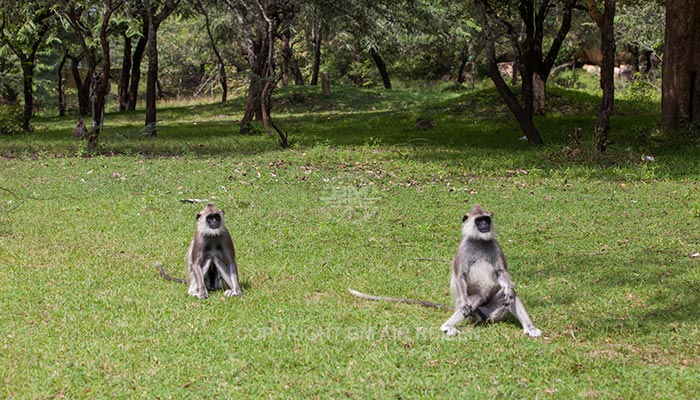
(532, 331)
(233, 292)
(203, 294)
(449, 330)
(508, 295)
(467, 309)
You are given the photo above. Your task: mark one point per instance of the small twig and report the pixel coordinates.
(24, 197)
(193, 201)
(412, 140)
(430, 259)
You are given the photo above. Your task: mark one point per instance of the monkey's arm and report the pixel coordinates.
(231, 268)
(504, 279)
(198, 269)
(229, 272)
(463, 306)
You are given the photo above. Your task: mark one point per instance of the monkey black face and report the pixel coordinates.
(214, 221)
(483, 224)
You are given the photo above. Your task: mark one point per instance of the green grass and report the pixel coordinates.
(599, 247)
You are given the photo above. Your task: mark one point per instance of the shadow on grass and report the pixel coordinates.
(644, 294)
(472, 124)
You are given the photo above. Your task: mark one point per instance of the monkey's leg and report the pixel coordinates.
(197, 286)
(462, 312)
(230, 276)
(518, 309)
(498, 307)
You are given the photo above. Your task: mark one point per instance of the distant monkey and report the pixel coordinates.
(210, 258)
(481, 286)
(80, 131)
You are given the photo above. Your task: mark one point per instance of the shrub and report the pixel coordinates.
(10, 120)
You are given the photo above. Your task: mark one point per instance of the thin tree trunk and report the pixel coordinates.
(605, 24)
(296, 72)
(61, 87)
(526, 66)
(139, 51)
(463, 59)
(539, 94)
(289, 63)
(316, 64)
(222, 68)
(543, 65)
(151, 79)
(28, 88)
(379, 62)
(286, 53)
(81, 86)
(154, 21)
(521, 114)
(124, 76)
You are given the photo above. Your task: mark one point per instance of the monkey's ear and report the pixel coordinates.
(465, 217)
(198, 215)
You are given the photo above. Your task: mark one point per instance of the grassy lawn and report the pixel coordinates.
(603, 251)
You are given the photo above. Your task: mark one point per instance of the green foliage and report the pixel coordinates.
(577, 79)
(641, 24)
(641, 89)
(11, 120)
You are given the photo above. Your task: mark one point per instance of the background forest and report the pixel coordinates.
(52, 52)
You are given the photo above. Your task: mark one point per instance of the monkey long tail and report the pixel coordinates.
(166, 276)
(400, 300)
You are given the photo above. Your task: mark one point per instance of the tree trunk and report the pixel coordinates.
(325, 84)
(521, 114)
(527, 64)
(463, 60)
(82, 87)
(381, 66)
(151, 79)
(154, 21)
(316, 65)
(289, 63)
(296, 72)
(539, 95)
(124, 76)
(635, 52)
(680, 88)
(28, 88)
(61, 87)
(286, 57)
(605, 22)
(222, 67)
(139, 51)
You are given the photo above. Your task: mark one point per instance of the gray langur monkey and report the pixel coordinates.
(210, 258)
(80, 131)
(480, 283)
(481, 286)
